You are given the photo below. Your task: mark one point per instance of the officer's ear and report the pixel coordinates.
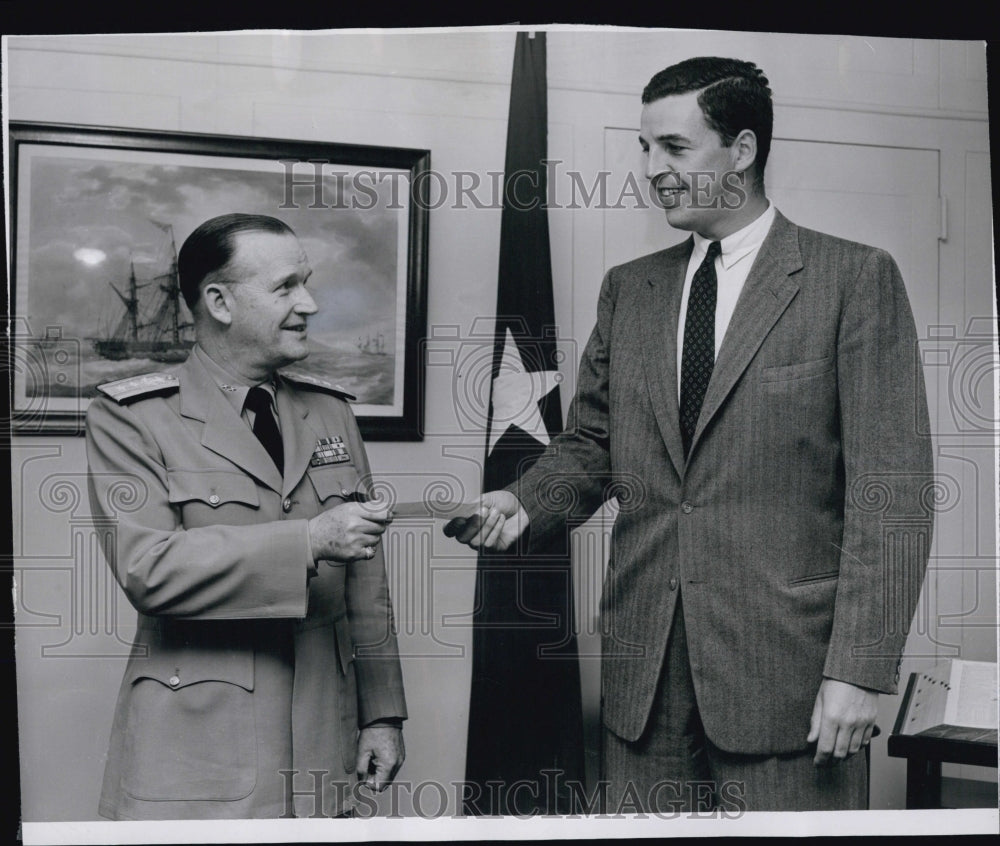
(216, 300)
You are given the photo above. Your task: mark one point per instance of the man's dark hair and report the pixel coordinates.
(734, 96)
(212, 244)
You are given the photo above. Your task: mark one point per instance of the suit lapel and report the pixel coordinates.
(766, 294)
(659, 307)
(298, 435)
(224, 432)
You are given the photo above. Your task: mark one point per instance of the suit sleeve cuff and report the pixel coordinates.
(394, 722)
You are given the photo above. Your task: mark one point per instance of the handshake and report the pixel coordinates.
(352, 531)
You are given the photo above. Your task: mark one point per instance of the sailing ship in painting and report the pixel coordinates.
(150, 324)
(144, 325)
(373, 346)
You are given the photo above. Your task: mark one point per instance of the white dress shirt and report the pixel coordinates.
(731, 269)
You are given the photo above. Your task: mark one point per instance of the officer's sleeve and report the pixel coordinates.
(212, 572)
(373, 627)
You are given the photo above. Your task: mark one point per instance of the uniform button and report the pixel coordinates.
(286, 506)
(673, 584)
(687, 507)
(174, 681)
(214, 499)
(345, 492)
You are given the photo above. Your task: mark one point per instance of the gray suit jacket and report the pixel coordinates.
(797, 529)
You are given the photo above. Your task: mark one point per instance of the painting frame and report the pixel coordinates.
(42, 356)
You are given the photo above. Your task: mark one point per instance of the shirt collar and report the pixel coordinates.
(740, 243)
(233, 388)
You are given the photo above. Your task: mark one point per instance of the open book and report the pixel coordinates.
(954, 699)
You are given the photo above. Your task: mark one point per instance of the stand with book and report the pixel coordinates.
(948, 715)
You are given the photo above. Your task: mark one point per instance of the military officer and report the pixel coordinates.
(265, 679)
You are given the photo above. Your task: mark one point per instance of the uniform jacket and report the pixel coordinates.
(798, 527)
(243, 664)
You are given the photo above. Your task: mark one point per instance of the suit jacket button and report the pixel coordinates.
(673, 584)
(174, 681)
(286, 506)
(687, 507)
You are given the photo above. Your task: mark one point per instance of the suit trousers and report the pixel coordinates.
(674, 768)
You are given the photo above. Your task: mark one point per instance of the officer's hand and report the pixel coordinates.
(498, 523)
(349, 532)
(380, 755)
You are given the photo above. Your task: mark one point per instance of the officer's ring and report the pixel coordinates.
(369, 552)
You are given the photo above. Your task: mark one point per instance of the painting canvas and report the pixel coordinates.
(100, 216)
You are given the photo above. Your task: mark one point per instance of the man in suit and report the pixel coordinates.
(756, 390)
(265, 679)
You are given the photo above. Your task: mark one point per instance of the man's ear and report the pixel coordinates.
(216, 299)
(744, 150)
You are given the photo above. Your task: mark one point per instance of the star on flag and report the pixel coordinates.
(516, 394)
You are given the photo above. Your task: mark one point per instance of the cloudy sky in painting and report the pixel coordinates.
(113, 206)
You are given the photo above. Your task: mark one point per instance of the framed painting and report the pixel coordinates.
(97, 218)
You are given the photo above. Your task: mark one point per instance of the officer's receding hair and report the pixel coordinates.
(211, 246)
(734, 96)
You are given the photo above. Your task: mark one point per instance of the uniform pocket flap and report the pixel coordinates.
(213, 487)
(187, 668)
(342, 481)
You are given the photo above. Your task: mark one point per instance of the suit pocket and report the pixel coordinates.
(190, 732)
(801, 370)
(814, 578)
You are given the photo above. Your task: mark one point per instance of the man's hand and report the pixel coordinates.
(498, 523)
(842, 720)
(380, 755)
(348, 532)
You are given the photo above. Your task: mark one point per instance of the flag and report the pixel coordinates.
(525, 736)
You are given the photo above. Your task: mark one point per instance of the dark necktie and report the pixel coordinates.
(698, 353)
(265, 427)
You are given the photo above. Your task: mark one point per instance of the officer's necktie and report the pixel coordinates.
(265, 427)
(698, 353)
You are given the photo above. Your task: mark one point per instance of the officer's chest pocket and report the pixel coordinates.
(336, 480)
(190, 733)
(213, 497)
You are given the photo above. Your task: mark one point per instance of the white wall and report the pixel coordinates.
(449, 93)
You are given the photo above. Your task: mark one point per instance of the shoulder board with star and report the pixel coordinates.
(137, 387)
(308, 381)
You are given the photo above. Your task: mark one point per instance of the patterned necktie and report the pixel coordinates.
(698, 354)
(265, 427)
